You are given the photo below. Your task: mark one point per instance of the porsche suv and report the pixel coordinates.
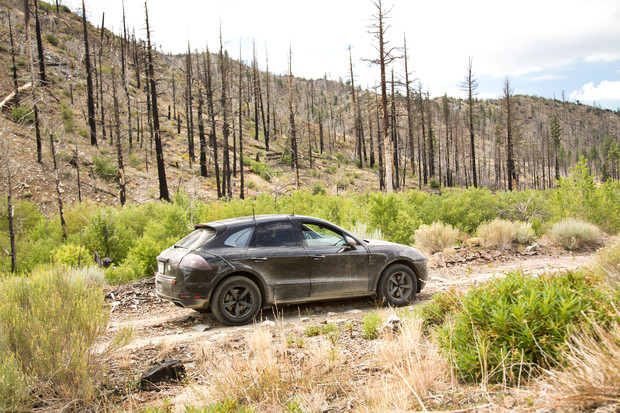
(237, 266)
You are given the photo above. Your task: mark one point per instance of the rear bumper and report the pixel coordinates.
(167, 289)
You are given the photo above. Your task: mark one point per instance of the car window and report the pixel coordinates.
(275, 234)
(196, 239)
(316, 235)
(240, 238)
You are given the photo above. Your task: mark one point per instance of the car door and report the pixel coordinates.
(277, 254)
(336, 270)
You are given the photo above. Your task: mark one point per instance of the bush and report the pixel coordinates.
(513, 327)
(573, 234)
(361, 230)
(105, 168)
(51, 322)
(71, 255)
(14, 385)
(370, 326)
(435, 237)
(500, 233)
(318, 189)
(53, 40)
(23, 114)
(608, 262)
(434, 184)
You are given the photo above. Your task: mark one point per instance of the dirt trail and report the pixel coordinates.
(162, 330)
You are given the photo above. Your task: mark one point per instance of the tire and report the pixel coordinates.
(397, 286)
(236, 300)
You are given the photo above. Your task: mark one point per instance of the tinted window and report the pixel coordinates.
(196, 239)
(321, 236)
(275, 234)
(240, 238)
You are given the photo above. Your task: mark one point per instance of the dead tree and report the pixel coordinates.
(223, 61)
(13, 65)
(159, 150)
(201, 129)
(63, 224)
(292, 110)
(101, 104)
(211, 112)
(409, 108)
(378, 30)
(189, 115)
(37, 29)
(359, 130)
(89, 82)
(124, 51)
(241, 177)
(267, 76)
(510, 129)
(470, 86)
(122, 191)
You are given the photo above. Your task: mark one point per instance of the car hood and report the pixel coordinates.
(406, 250)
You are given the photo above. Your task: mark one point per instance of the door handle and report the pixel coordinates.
(317, 257)
(259, 259)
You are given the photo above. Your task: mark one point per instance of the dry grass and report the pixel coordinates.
(500, 233)
(573, 234)
(394, 372)
(361, 230)
(435, 237)
(591, 377)
(608, 262)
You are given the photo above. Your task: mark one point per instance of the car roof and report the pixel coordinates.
(240, 221)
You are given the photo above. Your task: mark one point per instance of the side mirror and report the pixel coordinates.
(350, 243)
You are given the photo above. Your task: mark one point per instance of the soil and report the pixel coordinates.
(162, 331)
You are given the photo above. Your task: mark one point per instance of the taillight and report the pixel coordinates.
(192, 262)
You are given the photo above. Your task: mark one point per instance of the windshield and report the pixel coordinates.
(196, 239)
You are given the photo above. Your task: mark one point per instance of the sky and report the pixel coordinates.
(563, 49)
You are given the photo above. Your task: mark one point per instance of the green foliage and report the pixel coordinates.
(317, 330)
(50, 322)
(105, 168)
(67, 118)
(14, 384)
(23, 114)
(260, 169)
(227, 405)
(71, 255)
(434, 184)
(318, 189)
(608, 262)
(573, 234)
(51, 39)
(511, 328)
(370, 325)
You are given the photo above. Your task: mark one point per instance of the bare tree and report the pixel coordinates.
(13, 65)
(89, 81)
(122, 190)
(224, 72)
(241, 177)
(159, 150)
(211, 111)
(510, 129)
(378, 29)
(61, 213)
(359, 129)
(409, 107)
(292, 112)
(37, 29)
(189, 117)
(470, 86)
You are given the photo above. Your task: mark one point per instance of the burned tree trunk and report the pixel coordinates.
(223, 60)
(89, 82)
(211, 112)
(37, 29)
(119, 146)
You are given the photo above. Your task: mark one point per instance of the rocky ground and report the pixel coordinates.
(162, 331)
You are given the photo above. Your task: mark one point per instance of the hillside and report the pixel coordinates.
(258, 102)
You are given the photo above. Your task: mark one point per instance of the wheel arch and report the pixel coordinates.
(260, 283)
(407, 263)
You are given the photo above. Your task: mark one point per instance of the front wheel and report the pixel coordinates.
(236, 300)
(398, 285)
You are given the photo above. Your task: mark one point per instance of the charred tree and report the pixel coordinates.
(189, 117)
(470, 86)
(161, 168)
(211, 111)
(89, 82)
(63, 224)
(101, 104)
(37, 29)
(409, 109)
(359, 130)
(223, 62)
(267, 76)
(13, 65)
(241, 177)
(510, 129)
(292, 110)
(122, 190)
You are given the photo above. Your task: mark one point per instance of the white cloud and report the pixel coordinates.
(606, 90)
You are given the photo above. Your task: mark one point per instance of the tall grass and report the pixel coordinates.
(573, 234)
(435, 237)
(501, 233)
(50, 322)
(608, 262)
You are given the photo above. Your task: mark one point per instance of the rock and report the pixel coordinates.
(533, 247)
(304, 319)
(392, 325)
(170, 371)
(486, 256)
(473, 242)
(331, 313)
(354, 311)
(268, 323)
(106, 262)
(201, 328)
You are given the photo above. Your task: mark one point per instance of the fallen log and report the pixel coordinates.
(11, 95)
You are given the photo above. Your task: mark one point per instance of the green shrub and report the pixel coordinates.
(71, 255)
(318, 189)
(573, 234)
(105, 168)
(511, 328)
(500, 233)
(320, 329)
(53, 40)
(435, 237)
(433, 183)
(14, 384)
(370, 325)
(260, 169)
(50, 323)
(23, 114)
(67, 118)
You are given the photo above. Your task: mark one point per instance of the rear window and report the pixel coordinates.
(240, 238)
(196, 239)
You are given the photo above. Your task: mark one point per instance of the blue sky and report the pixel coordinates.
(543, 46)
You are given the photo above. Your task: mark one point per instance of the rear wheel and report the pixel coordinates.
(236, 300)
(398, 285)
